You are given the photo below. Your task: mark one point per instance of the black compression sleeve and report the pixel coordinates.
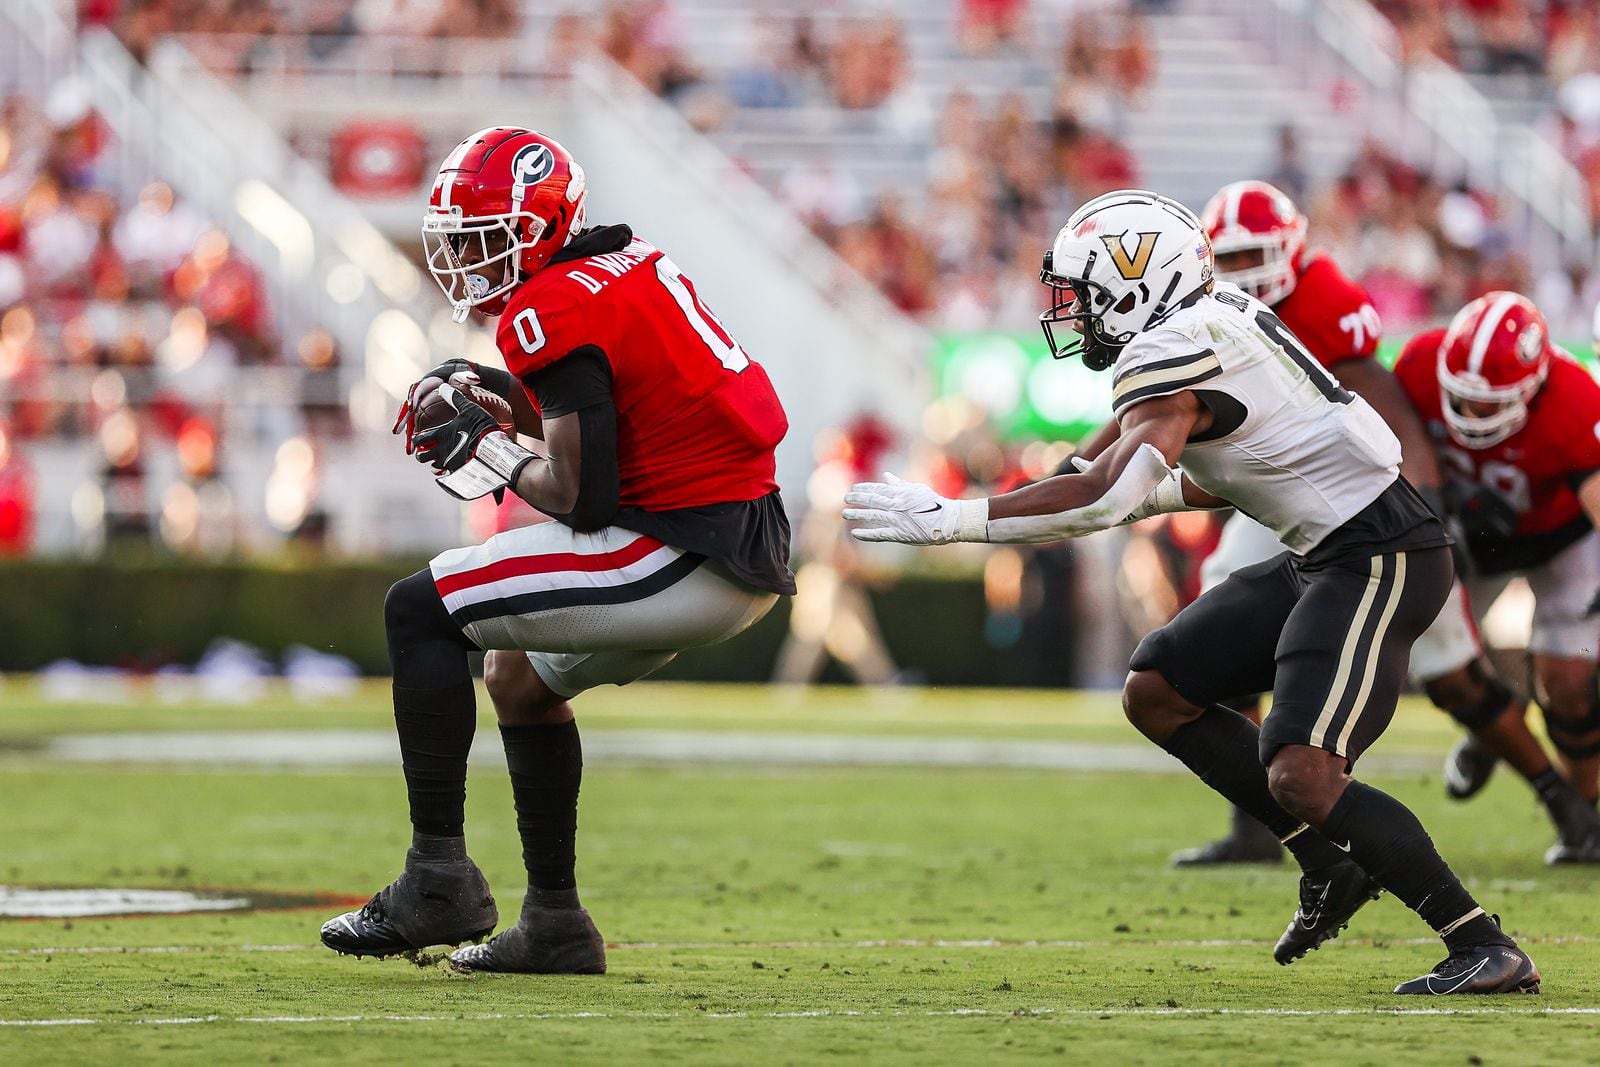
(581, 382)
(598, 484)
(580, 379)
(497, 381)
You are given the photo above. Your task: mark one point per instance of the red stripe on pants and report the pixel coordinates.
(517, 566)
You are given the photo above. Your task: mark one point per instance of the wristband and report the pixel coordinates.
(503, 456)
(972, 519)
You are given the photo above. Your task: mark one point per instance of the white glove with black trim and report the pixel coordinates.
(911, 513)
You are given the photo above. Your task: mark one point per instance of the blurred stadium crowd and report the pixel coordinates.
(129, 322)
(958, 248)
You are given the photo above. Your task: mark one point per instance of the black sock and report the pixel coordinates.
(546, 764)
(1389, 843)
(1548, 785)
(435, 708)
(1222, 747)
(436, 728)
(440, 851)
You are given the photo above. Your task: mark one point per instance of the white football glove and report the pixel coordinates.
(911, 513)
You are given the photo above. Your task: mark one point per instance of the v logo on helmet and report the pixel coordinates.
(1130, 267)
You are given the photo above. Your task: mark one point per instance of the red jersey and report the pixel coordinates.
(697, 419)
(1330, 314)
(1537, 469)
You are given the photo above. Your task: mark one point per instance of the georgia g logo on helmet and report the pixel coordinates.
(532, 164)
(504, 202)
(1531, 344)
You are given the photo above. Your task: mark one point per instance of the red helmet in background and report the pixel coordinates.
(505, 201)
(1256, 217)
(1494, 359)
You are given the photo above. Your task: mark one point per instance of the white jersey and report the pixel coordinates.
(1287, 446)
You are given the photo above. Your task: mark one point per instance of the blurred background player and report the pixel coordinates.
(658, 433)
(1517, 423)
(1259, 238)
(831, 613)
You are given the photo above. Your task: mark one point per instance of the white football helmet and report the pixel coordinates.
(1123, 261)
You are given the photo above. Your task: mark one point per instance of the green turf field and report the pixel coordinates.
(758, 913)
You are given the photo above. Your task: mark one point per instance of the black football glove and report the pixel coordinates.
(1434, 497)
(1460, 553)
(448, 446)
(1482, 511)
(406, 420)
(470, 453)
(457, 372)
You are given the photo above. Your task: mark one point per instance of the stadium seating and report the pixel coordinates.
(933, 147)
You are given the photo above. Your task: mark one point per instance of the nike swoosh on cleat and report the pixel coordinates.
(1463, 980)
(1342, 848)
(1316, 914)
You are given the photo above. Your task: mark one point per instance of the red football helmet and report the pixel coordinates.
(505, 201)
(1494, 358)
(1257, 234)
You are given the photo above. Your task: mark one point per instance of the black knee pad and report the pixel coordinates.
(1497, 695)
(1152, 649)
(1576, 738)
(414, 609)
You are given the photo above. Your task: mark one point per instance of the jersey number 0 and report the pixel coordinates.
(709, 328)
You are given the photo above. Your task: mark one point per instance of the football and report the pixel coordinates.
(434, 410)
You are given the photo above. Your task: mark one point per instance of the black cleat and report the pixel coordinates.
(1580, 852)
(1328, 898)
(1247, 842)
(545, 940)
(429, 904)
(1578, 824)
(1477, 969)
(1468, 767)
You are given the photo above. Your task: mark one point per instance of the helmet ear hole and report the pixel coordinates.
(1125, 305)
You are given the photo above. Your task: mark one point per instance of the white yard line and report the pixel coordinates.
(347, 748)
(742, 946)
(819, 1013)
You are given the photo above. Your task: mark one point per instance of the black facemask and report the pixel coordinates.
(1073, 303)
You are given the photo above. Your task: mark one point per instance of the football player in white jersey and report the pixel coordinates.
(1208, 376)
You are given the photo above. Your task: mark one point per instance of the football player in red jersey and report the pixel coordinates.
(1517, 425)
(1259, 238)
(657, 462)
